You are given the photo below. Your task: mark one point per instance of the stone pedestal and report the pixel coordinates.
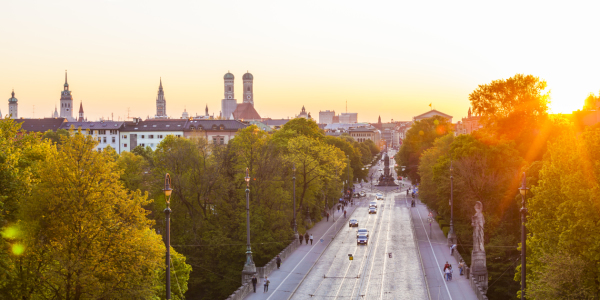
(247, 273)
(479, 269)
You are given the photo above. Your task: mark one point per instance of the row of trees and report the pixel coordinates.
(79, 224)
(562, 165)
(208, 201)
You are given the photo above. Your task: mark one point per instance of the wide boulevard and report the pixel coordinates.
(388, 267)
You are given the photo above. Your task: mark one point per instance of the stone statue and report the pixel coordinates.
(477, 221)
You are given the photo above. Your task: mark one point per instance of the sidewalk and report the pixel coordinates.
(294, 268)
(435, 252)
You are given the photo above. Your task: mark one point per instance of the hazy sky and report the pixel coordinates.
(385, 58)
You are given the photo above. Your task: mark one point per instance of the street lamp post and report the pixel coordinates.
(167, 190)
(451, 233)
(523, 189)
(249, 267)
(295, 225)
(348, 156)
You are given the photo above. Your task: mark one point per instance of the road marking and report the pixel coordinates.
(291, 272)
(371, 269)
(386, 253)
(432, 251)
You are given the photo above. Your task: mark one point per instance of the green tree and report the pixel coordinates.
(512, 107)
(419, 138)
(564, 213)
(91, 235)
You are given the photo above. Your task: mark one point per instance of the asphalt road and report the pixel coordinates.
(372, 274)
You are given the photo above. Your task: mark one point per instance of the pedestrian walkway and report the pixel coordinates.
(435, 252)
(295, 267)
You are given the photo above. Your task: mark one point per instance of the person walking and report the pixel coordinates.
(452, 249)
(278, 261)
(344, 213)
(306, 237)
(461, 267)
(254, 282)
(339, 206)
(311, 238)
(300, 238)
(266, 284)
(447, 273)
(327, 217)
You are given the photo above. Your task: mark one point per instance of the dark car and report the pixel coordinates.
(362, 239)
(353, 223)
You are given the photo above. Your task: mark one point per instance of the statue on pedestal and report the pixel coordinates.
(478, 259)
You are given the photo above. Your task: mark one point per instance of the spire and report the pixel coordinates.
(206, 110)
(13, 93)
(81, 107)
(160, 86)
(469, 112)
(66, 82)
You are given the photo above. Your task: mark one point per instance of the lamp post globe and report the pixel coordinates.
(167, 190)
(249, 267)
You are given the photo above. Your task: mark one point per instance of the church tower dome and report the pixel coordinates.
(248, 81)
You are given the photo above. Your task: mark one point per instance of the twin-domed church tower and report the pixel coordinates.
(229, 103)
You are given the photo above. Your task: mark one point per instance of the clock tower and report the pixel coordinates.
(66, 102)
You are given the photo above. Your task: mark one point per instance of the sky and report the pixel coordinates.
(383, 58)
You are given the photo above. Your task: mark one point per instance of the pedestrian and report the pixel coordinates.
(311, 238)
(300, 238)
(461, 267)
(406, 192)
(266, 284)
(344, 213)
(451, 271)
(339, 206)
(254, 281)
(306, 237)
(327, 217)
(447, 265)
(447, 273)
(452, 249)
(278, 261)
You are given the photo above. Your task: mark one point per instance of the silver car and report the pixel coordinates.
(372, 210)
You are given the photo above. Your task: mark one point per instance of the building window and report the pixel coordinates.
(125, 145)
(222, 141)
(125, 136)
(160, 136)
(142, 136)
(151, 145)
(113, 131)
(214, 140)
(113, 139)
(99, 149)
(151, 136)
(99, 139)
(179, 135)
(104, 140)
(143, 145)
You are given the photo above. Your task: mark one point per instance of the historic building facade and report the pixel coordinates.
(230, 109)
(467, 125)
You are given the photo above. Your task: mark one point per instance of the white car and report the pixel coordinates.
(379, 196)
(363, 194)
(362, 231)
(372, 210)
(373, 204)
